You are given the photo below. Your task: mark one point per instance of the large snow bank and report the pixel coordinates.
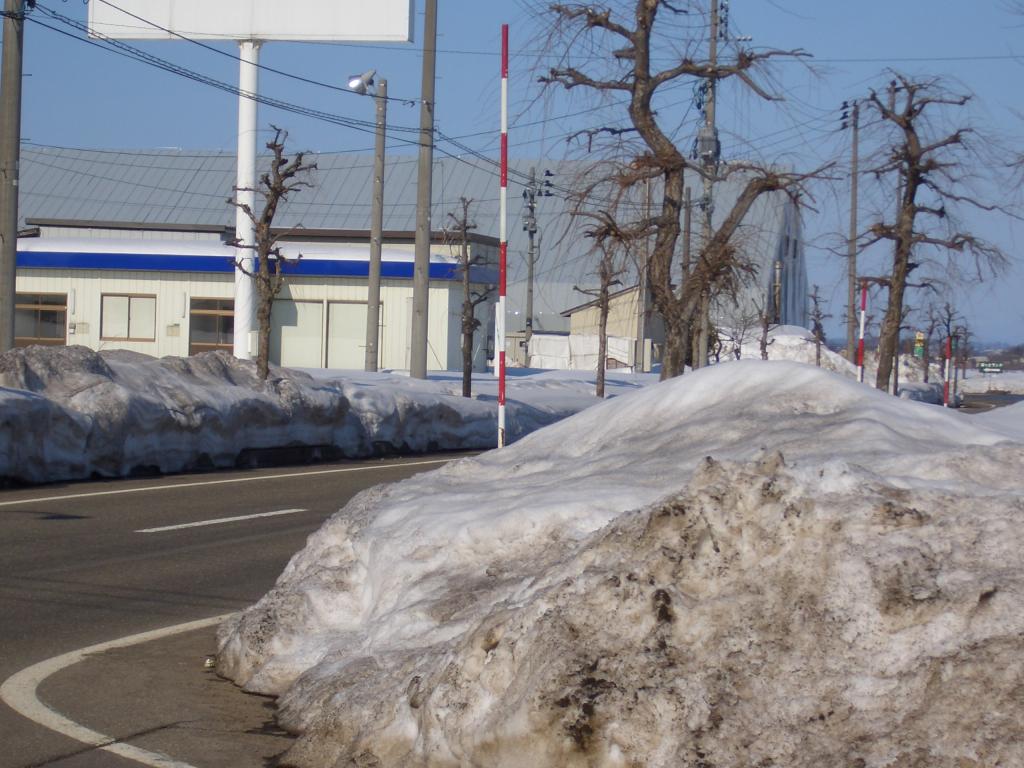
(70, 412)
(650, 583)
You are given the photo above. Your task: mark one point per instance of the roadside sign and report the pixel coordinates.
(919, 344)
(990, 367)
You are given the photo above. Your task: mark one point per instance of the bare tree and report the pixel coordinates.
(766, 326)
(930, 166)
(284, 177)
(743, 325)
(932, 321)
(626, 33)
(818, 317)
(948, 320)
(457, 234)
(608, 240)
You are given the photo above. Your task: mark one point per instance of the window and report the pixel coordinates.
(40, 318)
(211, 325)
(128, 318)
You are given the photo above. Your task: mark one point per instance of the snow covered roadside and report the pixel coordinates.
(1011, 382)
(757, 564)
(70, 413)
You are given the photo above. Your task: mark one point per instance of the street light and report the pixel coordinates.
(361, 84)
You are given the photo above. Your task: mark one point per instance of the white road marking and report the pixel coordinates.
(19, 693)
(219, 520)
(173, 486)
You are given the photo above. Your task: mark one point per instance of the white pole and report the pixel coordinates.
(245, 229)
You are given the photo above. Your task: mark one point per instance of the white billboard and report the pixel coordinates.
(312, 20)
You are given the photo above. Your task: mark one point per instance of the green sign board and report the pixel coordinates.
(990, 367)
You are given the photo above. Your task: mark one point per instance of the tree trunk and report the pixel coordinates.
(888, 335)
(677, 346)
(467, 346)
(263, 323)
(602, 339)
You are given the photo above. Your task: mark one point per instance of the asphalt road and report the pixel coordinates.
(986, 401)
(77, 571)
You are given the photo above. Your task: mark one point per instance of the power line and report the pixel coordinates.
(235, 57)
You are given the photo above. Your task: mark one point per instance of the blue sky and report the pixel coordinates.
(79, 95)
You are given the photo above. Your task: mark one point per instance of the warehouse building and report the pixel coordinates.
(129, 249)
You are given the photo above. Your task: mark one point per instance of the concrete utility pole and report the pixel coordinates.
(421, 268)
(10, 154)
(534, 189)
(376, 232)
(710, 153)
(851, 265)
(639, 354)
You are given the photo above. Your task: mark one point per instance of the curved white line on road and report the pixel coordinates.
(19, 693)
(173, 486)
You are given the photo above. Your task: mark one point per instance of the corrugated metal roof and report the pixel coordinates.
(173, 187)
(192, 188)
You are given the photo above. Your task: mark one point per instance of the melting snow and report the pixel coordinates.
(756, 564)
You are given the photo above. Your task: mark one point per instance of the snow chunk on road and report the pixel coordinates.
(603, 593)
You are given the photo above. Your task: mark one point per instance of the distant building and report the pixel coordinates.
(169, 291)
(627, 319)
(128, 250)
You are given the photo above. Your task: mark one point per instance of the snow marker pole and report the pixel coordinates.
(949, 360)
(860, 339)
(499, 320)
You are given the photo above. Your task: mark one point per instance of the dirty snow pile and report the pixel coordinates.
(70, 412)
(759, 564)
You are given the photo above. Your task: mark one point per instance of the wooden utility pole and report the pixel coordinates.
(851, 265)
(530, 225)
(10, 154)
(710, 153)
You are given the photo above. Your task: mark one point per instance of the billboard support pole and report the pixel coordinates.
(245, 194)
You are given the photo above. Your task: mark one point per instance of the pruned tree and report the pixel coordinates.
(932, 321)
(608, 241)
(930, 163)
(767, 325)
(624, 36)
(818, 318)
(948, 321)
(457, 236)
(743, 326)
(275, 185)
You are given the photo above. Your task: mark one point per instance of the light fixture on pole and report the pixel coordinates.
(361, 84)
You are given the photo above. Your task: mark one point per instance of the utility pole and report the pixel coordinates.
(10, 155)
(851, 256)
(640, 355)
(421, 266)
(710, 153)
(530, 194)
(376, 232)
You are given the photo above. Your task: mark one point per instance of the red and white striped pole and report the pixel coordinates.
(947, 376)
(499, 320)
(863, 320)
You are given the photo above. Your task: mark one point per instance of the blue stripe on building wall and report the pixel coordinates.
(148, 262)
